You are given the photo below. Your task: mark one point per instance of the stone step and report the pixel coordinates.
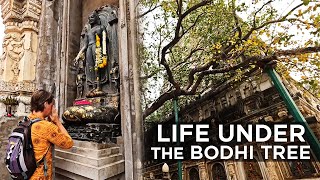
(89, 171)
(92, 153)
(91, 161)
(61, 174)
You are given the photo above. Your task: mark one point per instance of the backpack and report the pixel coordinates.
(20, 160)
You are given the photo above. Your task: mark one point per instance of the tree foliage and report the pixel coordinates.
(190, 46)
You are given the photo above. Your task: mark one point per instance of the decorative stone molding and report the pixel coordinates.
(23, 86)
(19, 10)
(32, 25)
(24, 99)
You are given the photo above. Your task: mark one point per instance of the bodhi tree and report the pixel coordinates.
(189, 46)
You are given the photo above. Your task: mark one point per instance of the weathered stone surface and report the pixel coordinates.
(48, 40)
(93, 153)
(91, 172)
(96, 132)
(89, 160)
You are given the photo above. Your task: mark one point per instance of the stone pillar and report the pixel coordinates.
(165, 172)
(203, 171)
(272, 170)
(230, 170)
(17, 63)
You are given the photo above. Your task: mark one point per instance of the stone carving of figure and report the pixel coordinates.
(95, 53)
(115, 77)
(80, 78)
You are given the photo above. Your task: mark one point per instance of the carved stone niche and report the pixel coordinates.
(96, 111)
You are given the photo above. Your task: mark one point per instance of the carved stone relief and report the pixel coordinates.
(231, 171)
(271, 169)
(13, 51)
(21, 19)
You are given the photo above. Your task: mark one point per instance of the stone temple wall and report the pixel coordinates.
(17, 63)
(59, 41)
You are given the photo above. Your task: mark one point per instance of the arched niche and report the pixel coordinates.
(252, 169)
(194, 174)
(218, 172)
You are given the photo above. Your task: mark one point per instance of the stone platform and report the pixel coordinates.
(95, 132)
(89, 160)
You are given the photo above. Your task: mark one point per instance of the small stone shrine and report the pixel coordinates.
(93, 120)
(95, 115)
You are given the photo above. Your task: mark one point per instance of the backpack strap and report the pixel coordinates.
(43, 159)
(27, 119)
(35, 120)
(25, 176)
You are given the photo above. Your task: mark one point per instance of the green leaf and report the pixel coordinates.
(306, 2)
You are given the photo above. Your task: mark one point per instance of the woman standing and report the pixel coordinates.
(46, 132)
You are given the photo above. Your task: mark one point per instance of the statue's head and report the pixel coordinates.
(94, 18)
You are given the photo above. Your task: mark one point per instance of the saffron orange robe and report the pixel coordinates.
(43, 135)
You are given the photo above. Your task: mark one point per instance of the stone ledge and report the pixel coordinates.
(89, 171)
(92, 153)
(97, 162)
(92, 145)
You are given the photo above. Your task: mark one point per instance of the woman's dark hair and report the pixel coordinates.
(39, 98)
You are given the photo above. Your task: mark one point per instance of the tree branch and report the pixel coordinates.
(282, 19)
(198, 69)
(255, 14)
(175, 40)
(193, 24)
(298, 51)
(160, 101)
(188, 57)
(236, 19)
(150, 75)
(148, 11)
